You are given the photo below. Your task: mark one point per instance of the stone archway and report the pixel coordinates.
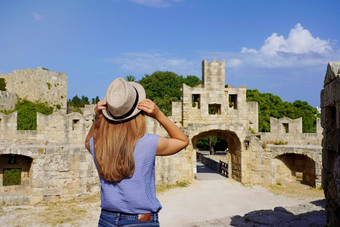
(294, 167)
(15, 174)
(234, 148)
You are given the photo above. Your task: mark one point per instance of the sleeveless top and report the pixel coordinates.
(137, 194)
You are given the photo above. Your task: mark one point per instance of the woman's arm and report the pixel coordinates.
(101, 105)
(177, 140)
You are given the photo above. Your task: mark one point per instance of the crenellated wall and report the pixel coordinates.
(289, 131)
(8, 100)
(56, 128)
(55, 165)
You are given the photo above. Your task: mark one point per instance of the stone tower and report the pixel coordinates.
(213, 74)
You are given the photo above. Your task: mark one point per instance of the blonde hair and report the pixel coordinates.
(114, 145)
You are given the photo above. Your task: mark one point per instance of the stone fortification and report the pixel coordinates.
(56, 128)
(289, 131)
(38, 84)
(8, 100)
(330, 121)
(48, 173)
(53, 155)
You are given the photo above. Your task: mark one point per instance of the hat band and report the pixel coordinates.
(129, 112)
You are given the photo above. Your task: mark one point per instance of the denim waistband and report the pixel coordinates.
(154, 216)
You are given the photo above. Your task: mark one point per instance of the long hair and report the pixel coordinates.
(114, 145)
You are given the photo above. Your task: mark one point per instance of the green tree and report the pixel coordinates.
(272, 106)
(2, 84)
(212, 143)
(130, 78)
(192, 81)
(95, 100)
(75, 104)
(165, 87)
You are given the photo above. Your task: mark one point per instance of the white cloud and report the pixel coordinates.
(37, 16)
(246, 50)
(232, 63)
(157, 3)
(299, 41)
(299, 49)
(149, 62)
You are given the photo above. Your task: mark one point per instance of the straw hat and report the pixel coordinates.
(122, 98)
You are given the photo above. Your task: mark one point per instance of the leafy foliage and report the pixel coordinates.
(2, 84)
(272, 106)
(212, 143)
(130, 78)
(27, 113)
(75, 104)
(165, 87)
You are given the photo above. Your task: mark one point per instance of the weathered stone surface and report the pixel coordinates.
(61, 167)
(38, 84)
(330, 114)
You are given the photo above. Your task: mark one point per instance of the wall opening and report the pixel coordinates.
(212, 145)
(214, 109)
(231, 154)
(233, 101)
(294, 168)
(196, 101)
(75, 124)
(11, 176)
(286, 127)
(15, 170)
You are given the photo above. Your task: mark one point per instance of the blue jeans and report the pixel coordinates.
(109, 219)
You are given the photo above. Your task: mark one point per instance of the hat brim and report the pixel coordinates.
(141, 96)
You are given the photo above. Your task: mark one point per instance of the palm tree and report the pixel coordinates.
(130, 78)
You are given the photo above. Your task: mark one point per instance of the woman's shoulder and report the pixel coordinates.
(148, 140)
(148, 137)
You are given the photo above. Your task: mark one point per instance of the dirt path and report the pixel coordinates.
(210, 200)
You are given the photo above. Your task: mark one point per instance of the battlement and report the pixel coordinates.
(38, 84)
(56, 128)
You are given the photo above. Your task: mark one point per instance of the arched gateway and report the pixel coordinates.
(234, 148)
(51, 163)
(215, 109)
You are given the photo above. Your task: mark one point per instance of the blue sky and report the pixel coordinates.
(281, 47)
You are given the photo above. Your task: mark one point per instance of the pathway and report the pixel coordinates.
(212, 200)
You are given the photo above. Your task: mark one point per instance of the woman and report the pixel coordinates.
(125, 156)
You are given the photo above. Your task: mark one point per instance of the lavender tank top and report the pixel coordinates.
(137, 194)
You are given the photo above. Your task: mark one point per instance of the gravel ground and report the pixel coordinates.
(211, 200)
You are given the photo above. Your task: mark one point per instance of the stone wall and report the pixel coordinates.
(289, 131)
(55, 172)
(56, 148)
(8, 100)
(330, 121)
(38, 84)
(56, 128)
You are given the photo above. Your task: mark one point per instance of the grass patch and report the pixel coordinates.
(295, 190)
(56, 213)
(165, 187)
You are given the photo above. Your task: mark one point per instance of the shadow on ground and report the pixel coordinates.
(280, 216)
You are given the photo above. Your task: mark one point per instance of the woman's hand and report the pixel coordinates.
(149, 108)
(177, 140)
(101, 105)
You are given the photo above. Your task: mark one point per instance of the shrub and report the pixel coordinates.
(2, 84)
(27, 113)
